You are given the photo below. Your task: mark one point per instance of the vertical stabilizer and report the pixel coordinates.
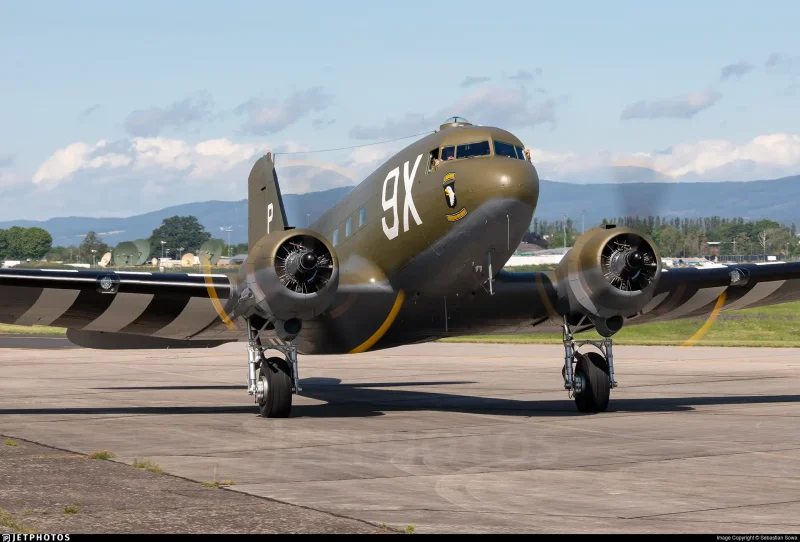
(265, 212)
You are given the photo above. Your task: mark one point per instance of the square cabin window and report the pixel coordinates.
(362, 216)
(348, 226)
(335, 239)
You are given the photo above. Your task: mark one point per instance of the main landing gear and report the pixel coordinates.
(273, 380)
(588, 377)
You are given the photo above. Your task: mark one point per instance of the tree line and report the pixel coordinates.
(687, 237)
(180, 235)
(18, 243)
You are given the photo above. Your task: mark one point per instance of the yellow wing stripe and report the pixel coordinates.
(709, 322)
(366, 345)
(212, 294)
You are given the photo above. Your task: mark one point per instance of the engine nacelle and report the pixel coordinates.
(288, 277)
(611, 273)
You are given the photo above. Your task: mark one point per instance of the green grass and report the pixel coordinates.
(11, 329)
(410, 529)
(104, 454)
(219, 484)
(147, 465)
(777, 325)
(10, 523)
(531, 267)
(71, 509)
(10, 442)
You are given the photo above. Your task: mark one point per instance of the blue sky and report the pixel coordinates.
(153, 103)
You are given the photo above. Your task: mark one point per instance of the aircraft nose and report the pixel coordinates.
(517, 179)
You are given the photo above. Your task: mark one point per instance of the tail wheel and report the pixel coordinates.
(276, 374)
(593, 383)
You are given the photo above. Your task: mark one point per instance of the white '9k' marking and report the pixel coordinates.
(408, 202)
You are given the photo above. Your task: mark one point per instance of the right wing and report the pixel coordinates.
(169, 306)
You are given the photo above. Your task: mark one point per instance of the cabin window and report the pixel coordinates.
(433, 159)
(470, 150)
(448, 153)
(520, 153)
(348, 226)
(362, 216)
(335, 239)
(504, 149)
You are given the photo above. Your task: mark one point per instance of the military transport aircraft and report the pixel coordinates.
(412, 254)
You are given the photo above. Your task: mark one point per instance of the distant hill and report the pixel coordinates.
(775, 199)
(211, 214)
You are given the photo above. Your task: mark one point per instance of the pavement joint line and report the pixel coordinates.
(716, 509)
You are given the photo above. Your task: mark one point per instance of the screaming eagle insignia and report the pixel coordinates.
(449, 186)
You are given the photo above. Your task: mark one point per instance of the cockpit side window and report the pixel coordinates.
(448, 153)
(520, 153)
(504, 149)
(433, 159)
(470, 150)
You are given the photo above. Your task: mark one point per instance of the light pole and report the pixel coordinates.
(93, 257)
(180, 253)
(162, 249)
(228, 229)
(308, 220)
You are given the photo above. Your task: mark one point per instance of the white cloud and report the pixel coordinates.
(138, 175)
(678, 107)
(75, 157)
(737, 70)
(763, 157)
(495, 105)
(150, 121)
(265, 117)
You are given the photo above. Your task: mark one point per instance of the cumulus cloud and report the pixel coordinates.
(763, 157)
(142, 174)
(151, 121)
(473, 80)
(736, 70)
(678, 107)
(264, 117)
(74, 157)
(493, 105)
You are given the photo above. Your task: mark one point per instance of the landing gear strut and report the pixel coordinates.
(272, 381)
(588, 377)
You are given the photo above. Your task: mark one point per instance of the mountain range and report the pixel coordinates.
(774, 199)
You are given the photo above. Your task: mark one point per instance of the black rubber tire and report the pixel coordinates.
(597, 384)
(278, 397)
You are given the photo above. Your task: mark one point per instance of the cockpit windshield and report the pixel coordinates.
(471, 150)
(504, 149)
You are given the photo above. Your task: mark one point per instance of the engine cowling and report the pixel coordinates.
(288, 277)
(611, 273)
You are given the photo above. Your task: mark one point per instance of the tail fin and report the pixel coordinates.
(264, 202)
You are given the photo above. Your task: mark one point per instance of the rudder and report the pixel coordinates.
(265, 211)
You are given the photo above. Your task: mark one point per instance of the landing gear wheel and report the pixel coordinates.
(276, 376)
(592, 382)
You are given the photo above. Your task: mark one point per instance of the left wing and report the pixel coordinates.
(167, 306)
(689, 292)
